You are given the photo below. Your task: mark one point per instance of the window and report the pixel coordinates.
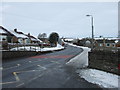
(107, 44)
(101, 45)
(2, 37)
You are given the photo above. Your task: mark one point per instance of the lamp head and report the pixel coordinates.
(88, 15)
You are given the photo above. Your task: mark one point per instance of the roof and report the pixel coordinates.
(4, 31)
(106, 41)
(108, 38)
(19, 35)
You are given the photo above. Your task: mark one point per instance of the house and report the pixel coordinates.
(98, 42)
(22, 39)
(25, 38)
(84, 42)
(7, 35)
(105, 43)
(15, 36)
(33, 39)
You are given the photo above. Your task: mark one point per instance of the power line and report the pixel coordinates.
(26, 17)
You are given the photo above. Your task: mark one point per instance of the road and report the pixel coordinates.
(43, 71)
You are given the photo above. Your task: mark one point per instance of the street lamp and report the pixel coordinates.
(92, 30)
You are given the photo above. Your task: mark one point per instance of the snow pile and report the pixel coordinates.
(26, 48)
(81, 60)
(104, 79)
(59, 47)
(34, 48)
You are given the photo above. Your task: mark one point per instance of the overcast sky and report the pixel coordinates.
(66, 18)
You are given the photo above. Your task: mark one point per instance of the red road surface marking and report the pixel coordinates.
(53, 56)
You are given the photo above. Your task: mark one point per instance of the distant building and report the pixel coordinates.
(104, 43)
(98, 42)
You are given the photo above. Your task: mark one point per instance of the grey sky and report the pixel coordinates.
(67, 18)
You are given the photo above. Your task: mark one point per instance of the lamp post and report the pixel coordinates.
(92, 30)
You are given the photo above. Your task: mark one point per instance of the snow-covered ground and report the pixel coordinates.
(33, 48)
(59, 47)
(104, 79)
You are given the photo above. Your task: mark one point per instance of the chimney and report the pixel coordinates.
(15, 30)
(28, 34)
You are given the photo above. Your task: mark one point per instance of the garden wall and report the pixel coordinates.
(16, 54)
(104, 60)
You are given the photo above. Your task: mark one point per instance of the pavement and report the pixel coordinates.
(44, 71)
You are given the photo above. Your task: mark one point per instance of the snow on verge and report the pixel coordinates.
(59, 47)
(33, 48)
(104, 79)
(81, 60)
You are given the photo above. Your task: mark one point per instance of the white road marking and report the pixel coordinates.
(35, 77)
(42, 67)
(55, 62)
(20, 85)
(28, 71)
(12, 67)
(30, 61)
(8, 82)
(18, 64)
(34, 61)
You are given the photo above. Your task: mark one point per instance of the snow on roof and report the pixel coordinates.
(69, 39)
(114, 38)
(19, 35)
(80, 38)
(109, 38)
(4, 31)
(33, 39)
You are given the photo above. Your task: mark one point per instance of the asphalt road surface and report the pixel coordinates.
(43, 71)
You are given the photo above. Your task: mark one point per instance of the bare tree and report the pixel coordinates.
(42, 36)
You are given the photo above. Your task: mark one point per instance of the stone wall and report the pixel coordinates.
(105, 60)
